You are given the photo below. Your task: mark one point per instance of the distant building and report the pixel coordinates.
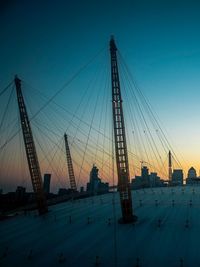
(82, 189)
(46, 183)
(177, 177)
(146, 179)
(136, 182)
(20, 193)
(192, 177)
(145, 176)
(95, 185)
(192, 173)
(154, 180)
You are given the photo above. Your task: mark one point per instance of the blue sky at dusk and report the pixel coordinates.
(46, 42)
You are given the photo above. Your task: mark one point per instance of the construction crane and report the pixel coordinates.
(120, 141)
(31, 154)
(70, 165)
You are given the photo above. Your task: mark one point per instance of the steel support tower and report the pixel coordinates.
(120, 141)
(170, 167)
(70, 165)
(31, 154)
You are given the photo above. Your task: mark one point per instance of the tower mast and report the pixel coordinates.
(70, 165)
(31, 154)
(120, 141)
(170, 167)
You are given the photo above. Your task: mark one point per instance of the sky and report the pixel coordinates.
(46, 42)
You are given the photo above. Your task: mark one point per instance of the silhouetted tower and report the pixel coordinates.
(120, 141)
(170, 166)
(70, 165)
(31, 154)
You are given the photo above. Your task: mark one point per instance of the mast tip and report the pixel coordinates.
(17, 79)
(112, 37)
(112, 44)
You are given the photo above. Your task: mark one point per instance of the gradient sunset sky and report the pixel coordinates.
(46, 42)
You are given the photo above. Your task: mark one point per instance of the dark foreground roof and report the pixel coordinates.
(85, 232)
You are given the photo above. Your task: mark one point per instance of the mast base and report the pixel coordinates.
(131, 219)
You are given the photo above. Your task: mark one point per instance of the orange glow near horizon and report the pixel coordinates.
(59, 171)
